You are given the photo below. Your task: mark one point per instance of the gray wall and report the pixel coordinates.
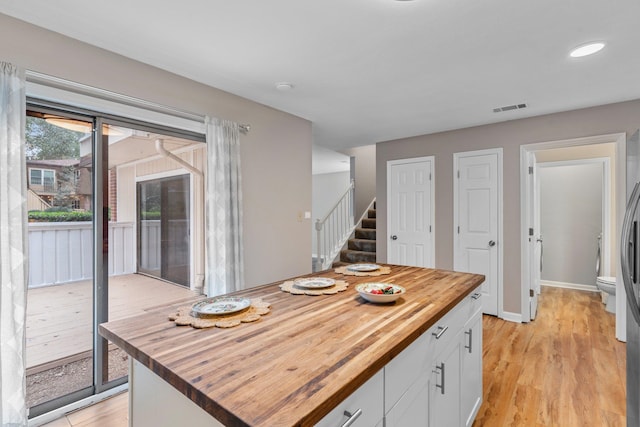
(620, 117)
(591, 152)
(570, 221)
(327, 189)
(275, 155)
(365, 176)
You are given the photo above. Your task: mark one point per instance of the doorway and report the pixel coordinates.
(566, 150)
(575, 235)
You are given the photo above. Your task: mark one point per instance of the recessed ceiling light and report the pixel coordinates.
(586, 49)
(284, 86)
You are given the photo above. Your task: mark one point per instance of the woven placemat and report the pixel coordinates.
(293, 289)
(183, 317)
(378, 272)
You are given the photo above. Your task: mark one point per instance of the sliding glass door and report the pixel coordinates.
(86, 175)
(164, 228)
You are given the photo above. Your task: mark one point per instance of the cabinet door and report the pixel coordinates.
(444, 387)
(471, 359)
(368, 399)
(412, 409)
(406, 368)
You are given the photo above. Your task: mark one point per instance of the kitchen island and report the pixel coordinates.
(310, 356)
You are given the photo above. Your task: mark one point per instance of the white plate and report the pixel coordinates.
(364, 289)
(363, 267)
(314, 282)
(220, 305)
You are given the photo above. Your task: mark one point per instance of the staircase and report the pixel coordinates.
(362, 248)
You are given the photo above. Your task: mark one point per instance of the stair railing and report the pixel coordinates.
(334, 229)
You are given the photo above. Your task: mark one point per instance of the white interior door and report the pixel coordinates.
(410, 212)
(535, 237)
(477, 210)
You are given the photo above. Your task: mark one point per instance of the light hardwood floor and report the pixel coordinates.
(564, 369)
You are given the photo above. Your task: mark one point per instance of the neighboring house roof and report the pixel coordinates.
(85, 161)
(54, 162)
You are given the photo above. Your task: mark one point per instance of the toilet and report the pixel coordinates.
(608, 286)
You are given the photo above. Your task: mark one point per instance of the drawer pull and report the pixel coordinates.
(441, 330)
(440, 370)
(470, 333)
(352, 417)
(476, 295)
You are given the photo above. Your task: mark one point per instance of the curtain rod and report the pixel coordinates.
(82, 89)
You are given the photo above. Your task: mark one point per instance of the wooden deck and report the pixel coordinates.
(59, 317)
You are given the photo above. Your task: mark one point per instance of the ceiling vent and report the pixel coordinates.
(509, 108)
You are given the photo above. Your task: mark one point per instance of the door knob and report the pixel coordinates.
(394, 237)
(491, 243)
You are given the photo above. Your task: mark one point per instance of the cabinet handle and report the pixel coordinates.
(476, 295)
(352, 417)
(440, 370)
(470, 333)
(441, 330)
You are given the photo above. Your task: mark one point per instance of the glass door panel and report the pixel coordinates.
(164, 229)
(148, 226)
(59, 326)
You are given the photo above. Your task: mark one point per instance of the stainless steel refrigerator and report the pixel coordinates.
(630, 264)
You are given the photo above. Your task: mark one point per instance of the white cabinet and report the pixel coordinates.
(411, 409)
(364, 406)
(455, 388)
(471, 375)
(444, 386)
(437, 380)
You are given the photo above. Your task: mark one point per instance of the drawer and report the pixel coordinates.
(368, 399)
(475, 299)
(446, 329)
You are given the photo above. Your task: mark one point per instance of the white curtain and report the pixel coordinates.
(13, 250)
(224, 271)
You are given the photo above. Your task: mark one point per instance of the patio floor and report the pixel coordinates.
(59, 317)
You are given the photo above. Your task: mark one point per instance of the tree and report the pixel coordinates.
(46, 141)
(67, 188)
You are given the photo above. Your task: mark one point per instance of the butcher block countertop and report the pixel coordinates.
(295, 364)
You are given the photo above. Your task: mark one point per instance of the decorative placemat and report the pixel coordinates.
(293, 289)
(183, 316)
(379, 272)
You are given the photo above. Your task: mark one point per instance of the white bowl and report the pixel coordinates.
(364, 289)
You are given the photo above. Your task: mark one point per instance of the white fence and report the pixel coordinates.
(150, 245)
(61, 252)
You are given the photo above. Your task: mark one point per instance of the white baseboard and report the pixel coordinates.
(577, 286)
(512, 317)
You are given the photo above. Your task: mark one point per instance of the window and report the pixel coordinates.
(44, 177)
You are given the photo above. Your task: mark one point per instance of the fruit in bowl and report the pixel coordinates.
(380, 292)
